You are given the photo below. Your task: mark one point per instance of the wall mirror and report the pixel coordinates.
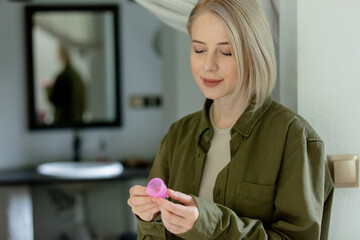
(73, 66)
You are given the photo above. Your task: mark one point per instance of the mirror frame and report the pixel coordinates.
(30, 10)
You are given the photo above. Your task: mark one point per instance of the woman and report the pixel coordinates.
(245, 167)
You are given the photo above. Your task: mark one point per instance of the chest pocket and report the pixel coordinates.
(255, 201)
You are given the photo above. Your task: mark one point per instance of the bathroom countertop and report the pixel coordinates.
(32, 177)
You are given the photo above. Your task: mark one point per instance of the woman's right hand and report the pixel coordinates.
(141, 204)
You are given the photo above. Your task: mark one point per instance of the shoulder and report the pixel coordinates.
(188, 124)
(288, 129)
(279, 114)
(183, 133)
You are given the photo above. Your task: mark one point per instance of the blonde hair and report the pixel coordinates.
(251, 42)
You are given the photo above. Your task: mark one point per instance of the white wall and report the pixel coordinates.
(328, 84)
(288, 53)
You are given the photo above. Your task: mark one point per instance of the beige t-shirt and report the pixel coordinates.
(216, 159)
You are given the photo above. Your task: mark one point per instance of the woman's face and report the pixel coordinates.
(212, 63)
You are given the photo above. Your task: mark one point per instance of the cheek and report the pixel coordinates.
(232, 70)
(195, 66)
(235, 76)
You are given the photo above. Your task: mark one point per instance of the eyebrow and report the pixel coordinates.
(220, 43)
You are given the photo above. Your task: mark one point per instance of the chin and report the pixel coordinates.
(210, 96)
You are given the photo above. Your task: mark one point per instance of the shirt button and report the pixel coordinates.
(207, 132)
(197, 155)
(246, 132)
(158, 226)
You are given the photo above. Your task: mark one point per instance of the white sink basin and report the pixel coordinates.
(81, 169)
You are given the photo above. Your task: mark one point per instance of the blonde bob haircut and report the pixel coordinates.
(251, 44)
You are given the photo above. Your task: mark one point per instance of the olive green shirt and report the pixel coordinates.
(276, 186)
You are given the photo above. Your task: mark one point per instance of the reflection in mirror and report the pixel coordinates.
(73, 66)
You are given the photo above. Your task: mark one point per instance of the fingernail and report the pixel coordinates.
(154, 200)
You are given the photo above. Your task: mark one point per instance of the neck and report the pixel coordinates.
(226, 112)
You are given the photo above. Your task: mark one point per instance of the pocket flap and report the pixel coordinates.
(258, 192)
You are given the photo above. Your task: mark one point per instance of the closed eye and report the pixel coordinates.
(198, 51)
(226, 54)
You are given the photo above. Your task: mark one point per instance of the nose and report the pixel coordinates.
(210, 64)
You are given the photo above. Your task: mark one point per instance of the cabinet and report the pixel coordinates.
(45, 207)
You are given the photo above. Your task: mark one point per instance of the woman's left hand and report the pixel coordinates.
(178, 218)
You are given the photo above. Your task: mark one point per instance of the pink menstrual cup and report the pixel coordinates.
(157, 188)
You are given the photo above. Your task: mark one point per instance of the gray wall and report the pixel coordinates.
(181, 94)
(141, 75)
(139, 136)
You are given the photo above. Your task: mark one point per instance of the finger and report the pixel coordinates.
(146, 212)
(171, 221)
(138, 190)
(145, 207)
(177, 209)
(139, 200)
(171, 217)
(186, 220)
(181, 197)
(148, 215)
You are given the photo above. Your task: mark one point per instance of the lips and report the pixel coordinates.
(211, 82)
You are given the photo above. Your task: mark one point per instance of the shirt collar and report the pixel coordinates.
(244, 125)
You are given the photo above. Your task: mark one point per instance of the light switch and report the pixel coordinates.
(142, 101)
(344, 170)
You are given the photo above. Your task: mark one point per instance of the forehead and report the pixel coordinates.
(208, 26)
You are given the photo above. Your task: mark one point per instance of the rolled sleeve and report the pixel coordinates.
(219, 222)
(206, 224)
(150, 230)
